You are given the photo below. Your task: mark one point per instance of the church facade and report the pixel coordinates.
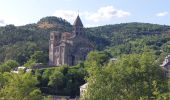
(69, 48)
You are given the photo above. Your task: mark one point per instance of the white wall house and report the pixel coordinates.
(21, 68)
(83, 89)
(166, 66)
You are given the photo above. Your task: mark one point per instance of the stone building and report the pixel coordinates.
(69, 48)
(166, 66)
(83, 89)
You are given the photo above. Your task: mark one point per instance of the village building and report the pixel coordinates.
(83, 89)
(69, 48)
(166, 66)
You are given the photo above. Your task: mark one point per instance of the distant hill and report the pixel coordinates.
(54, 23)
(20, 42)
(121, 33)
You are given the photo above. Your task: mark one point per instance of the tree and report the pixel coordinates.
(130, 77)
(100, 58)
(11, 63)
(40, 57)
(96, 59)
(56, 80)
(37, 57)
(2, 81)
(4, 68)
(20, 86)
(8, 65)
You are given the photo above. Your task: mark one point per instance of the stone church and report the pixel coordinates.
(69, 48)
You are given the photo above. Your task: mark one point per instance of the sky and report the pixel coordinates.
(92, 12)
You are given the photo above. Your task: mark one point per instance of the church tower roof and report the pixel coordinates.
(78, 22)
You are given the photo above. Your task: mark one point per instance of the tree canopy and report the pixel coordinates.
(20, 86)
(131, 77)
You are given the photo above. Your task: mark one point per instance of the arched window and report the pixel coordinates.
(72, 59)
(52, 37)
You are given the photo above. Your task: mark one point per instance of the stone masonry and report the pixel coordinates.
(69, 48)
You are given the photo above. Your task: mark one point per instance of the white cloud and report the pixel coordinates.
(102, 14)
(66, 14)
(2, 23)
(105, 13)
(4, 20)
(161, 14)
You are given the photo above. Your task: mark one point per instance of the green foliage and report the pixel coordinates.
(100, 58)
(2, 80)
(122, 34)
(130, 77)
(19, 51)
(4, 68)
(20, 87)
(19, 43)
(30, 63)
(8, 65)
(11, 63)
(37, 57)
(56, 80)
(59, 22)
(61, 80)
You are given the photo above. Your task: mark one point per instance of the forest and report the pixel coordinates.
(138, 47)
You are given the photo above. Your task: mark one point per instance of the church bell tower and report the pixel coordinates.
(78, 27)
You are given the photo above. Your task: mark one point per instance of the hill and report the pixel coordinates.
(20, 42)
(130, 37)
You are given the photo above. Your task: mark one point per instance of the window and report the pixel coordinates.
(52, 36)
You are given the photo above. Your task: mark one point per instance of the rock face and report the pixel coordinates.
(69, 48)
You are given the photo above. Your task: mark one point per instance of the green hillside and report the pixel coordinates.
(20, 42)
(130, 37)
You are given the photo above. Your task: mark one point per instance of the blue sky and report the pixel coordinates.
(92, 12)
